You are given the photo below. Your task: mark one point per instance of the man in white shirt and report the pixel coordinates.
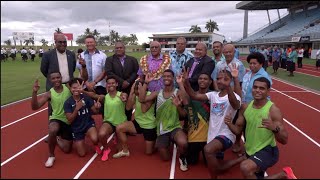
(300, 57)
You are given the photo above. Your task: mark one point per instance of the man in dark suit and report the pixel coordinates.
(201, 63)
(124, 68)
(58, 59)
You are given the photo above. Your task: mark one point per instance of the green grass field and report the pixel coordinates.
(17, 77)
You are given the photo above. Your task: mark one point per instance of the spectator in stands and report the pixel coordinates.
(124, 68)
(300, 56)
(318, 59)
(275, 59)
(217, 48)
(292, 59)
(180, 57)
(201, 63)
(155, 63)
(263, 124)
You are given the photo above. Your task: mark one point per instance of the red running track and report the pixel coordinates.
(300, 153)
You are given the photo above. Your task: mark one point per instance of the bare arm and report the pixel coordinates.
(192, 94)
(238, 127)
(131, 99)
(35, 102)
(143, 97)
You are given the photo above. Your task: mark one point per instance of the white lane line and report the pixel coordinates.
(18, 101)
(308, 70)
(304, 134)
(307, 74)
(295, 86)
(292, 91)
(23, 118)
(297, 100)
(91, 160)
(25, 149)
(173, 162)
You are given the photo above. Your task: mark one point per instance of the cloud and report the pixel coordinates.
(142, 18)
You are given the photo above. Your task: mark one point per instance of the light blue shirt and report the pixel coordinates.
(247, 84)
(237, 53)
(178, 61)
(222, 58)
(222, 64)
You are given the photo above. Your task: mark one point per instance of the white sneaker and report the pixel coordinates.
(121, 154)
(183, 164)
(50, 162)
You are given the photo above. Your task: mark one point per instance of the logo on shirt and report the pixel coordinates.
(218, 108)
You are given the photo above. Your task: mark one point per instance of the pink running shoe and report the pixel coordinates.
(105, 155)
(98, 150)
(289, 173)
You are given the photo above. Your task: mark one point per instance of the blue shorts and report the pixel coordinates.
(265, 158)
(226, 143)
(80, 135)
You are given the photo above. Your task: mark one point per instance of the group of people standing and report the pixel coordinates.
(200, 103)
(25, 53)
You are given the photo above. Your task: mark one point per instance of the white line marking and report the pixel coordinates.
(91, 160)
(307, 74)
(23, 118)
(25, 149)
(295, 86)
(298, 100)
(173, 162)
(18, 101)
(308, 137)
(292, 91)
(305, 69)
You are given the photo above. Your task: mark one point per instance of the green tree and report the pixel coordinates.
(29, 41)
(95, 33)
(103, 40)
(211, 26)
(133, 39)
(87, 32)
(114, 36)
(80, 39)
(195, 29)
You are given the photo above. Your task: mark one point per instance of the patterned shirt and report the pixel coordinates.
(222, 58)
(154, 64)
(179, 60)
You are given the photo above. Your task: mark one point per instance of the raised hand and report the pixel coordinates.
(224, 81)
(80, 86)
(36, 85)
(82, 62)
(185, 73)
(267, 123)
(79, 104)
(149, 78)
(97, 103)
(180, 78)
(176, 100)
(234, 70)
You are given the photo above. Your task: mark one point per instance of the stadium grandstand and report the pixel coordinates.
(299, 27)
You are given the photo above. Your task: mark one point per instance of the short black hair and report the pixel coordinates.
(218, 42)
(209, 75)
(90, 36)
(265, 80)
(54, 71)
(80, 50)
(256, 55)
(169, 70)
(75, 81)
(227, 72)
(111, 77)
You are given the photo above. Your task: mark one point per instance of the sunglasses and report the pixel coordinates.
(65, 42)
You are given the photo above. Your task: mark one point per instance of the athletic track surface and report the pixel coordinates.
(24, 152)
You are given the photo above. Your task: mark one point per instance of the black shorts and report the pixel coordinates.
(40, 55)
(80, 134)
(65, 131)
(265, 158)
(164, 140)
(194, 148)
(112, 126)
(148, 134)
(318, 63)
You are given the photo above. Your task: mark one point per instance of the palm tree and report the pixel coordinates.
(95, 33)
(195, 29)
(58, 30)
(133, 39)
(8, 42)
(87, 31)
(44, 42)
(211, 26)
(28, 41)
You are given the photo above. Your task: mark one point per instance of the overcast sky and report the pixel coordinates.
(142, 18)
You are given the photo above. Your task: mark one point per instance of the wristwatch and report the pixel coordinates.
(276, 130)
